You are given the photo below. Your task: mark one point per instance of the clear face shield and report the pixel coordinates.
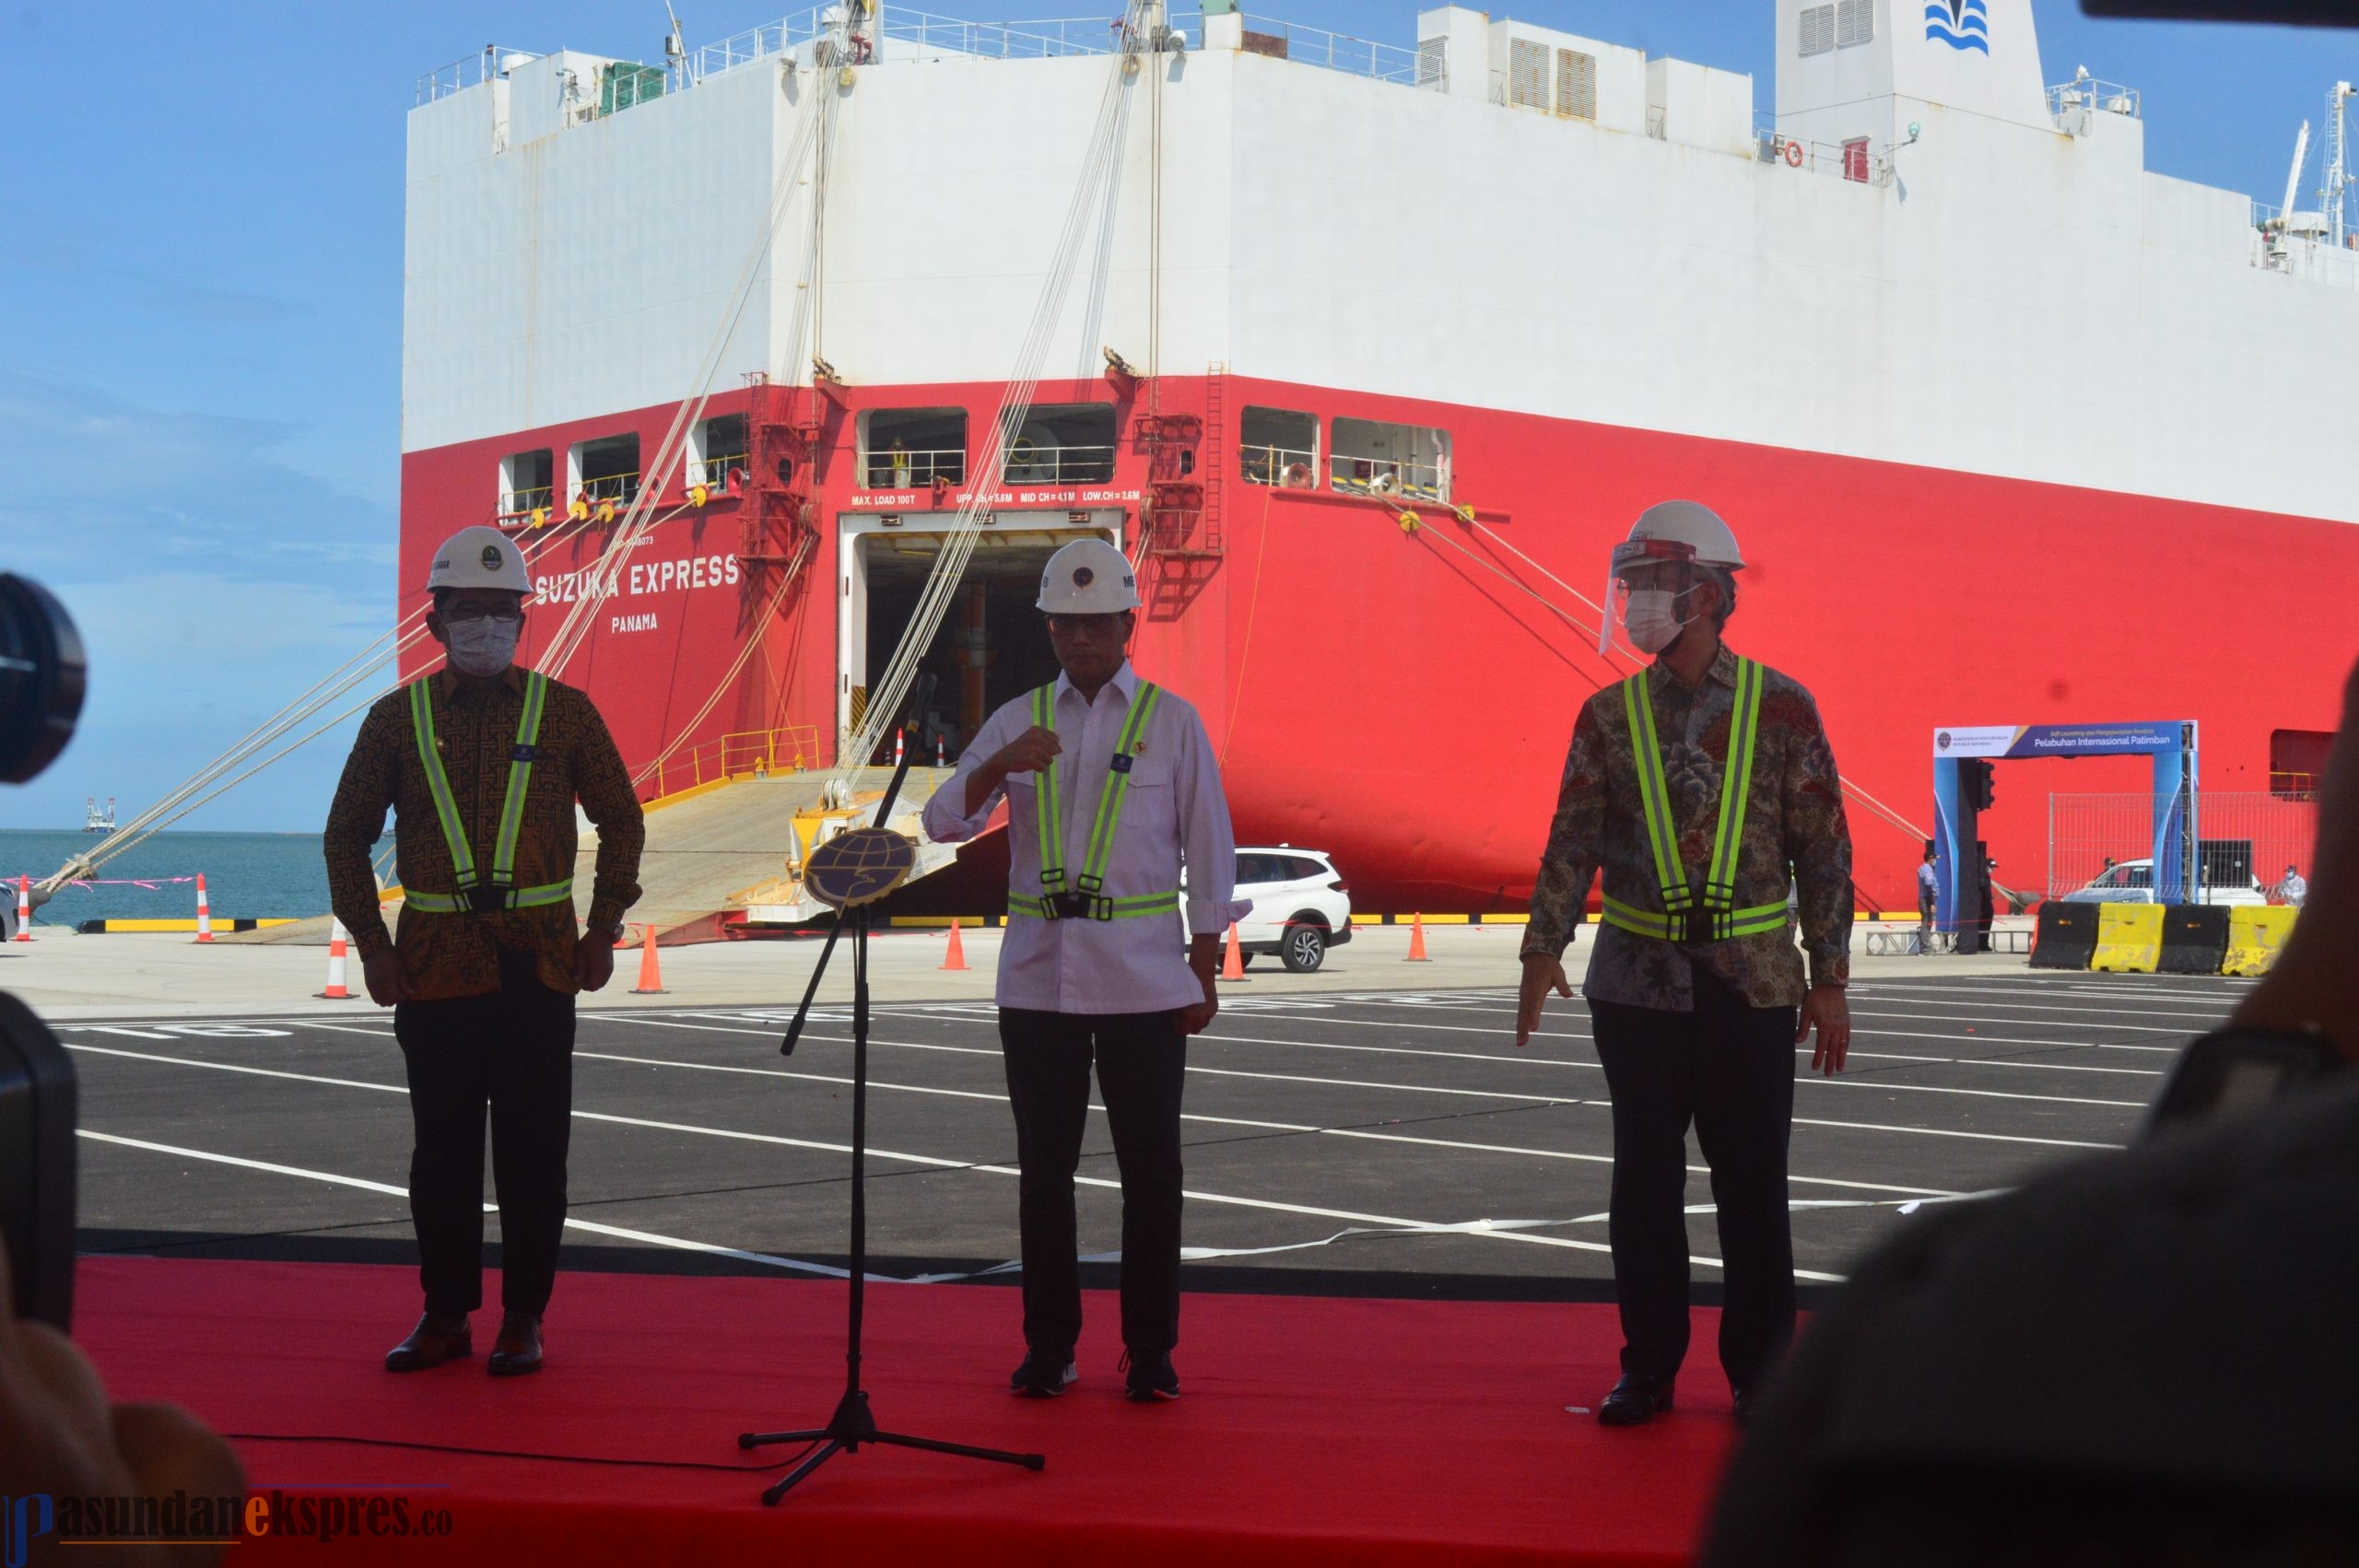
(1648, 586)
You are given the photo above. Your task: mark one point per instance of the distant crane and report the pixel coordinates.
(2294, 175)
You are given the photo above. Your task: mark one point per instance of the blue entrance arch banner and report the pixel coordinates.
(2171, 743)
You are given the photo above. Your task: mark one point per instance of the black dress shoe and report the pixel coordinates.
(437, 1337)
(518, 1348)
(1635, 1400)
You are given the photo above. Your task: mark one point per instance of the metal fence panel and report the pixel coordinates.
(2247, 838)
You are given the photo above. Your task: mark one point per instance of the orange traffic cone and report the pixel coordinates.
(650, 977)
(336, 990)
(203, 912)
(24, 909)
(1416, 940)
(956, 958)
(1232, 964)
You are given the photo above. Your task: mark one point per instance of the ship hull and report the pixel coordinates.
(1398, 691)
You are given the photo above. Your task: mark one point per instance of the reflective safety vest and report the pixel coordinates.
(1087, 899)
(474, 895)
(1681, 919)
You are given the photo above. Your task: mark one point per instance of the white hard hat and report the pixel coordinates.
(1668, 531)
(1680, 531)
(479, 557)
(1088, 576)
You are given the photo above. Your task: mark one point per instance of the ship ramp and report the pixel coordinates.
(725, 858)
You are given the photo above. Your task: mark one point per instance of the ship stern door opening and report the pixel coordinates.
(990, 645)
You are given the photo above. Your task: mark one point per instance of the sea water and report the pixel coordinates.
(247, 875)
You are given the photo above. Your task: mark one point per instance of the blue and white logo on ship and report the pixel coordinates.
(1961, 24)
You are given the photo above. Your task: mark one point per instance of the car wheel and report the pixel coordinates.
(1304, 949)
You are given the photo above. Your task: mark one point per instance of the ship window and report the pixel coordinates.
(904, 448)
(1278, 446)
(720, 447)
(524, 484)
(2296, 759)
(1855, 23)
(1855, 159)
(1818, 29)
(1061, 443)
(1576, 84)
(1376, 458)
(1527, 74)
(608, 468)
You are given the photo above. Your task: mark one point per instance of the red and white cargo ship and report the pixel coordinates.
(1370, 351)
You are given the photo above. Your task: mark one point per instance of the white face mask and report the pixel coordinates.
(1651, 620)
(482, 648)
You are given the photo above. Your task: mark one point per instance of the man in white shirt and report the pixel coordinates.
(1928, 891)
(1117, 780)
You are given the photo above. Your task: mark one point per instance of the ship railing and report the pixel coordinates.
(484, 65)
(2082, 94)
(522, 503)
(1289, 467)
(905, 34)
(746, 754)
(2302, 247)
(611, 487)
(1029, 464)
(901, 470)
(1855, 162)
(923, 34)
(1388, 476)
(1333, 51)
(714, 468)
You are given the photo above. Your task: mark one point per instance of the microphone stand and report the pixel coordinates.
(853, 1423)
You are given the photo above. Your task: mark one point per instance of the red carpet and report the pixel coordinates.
(1313, 1430)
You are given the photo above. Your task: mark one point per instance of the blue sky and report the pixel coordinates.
(200, 311)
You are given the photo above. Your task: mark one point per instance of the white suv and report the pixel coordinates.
(1300, 906)
(2133, 882)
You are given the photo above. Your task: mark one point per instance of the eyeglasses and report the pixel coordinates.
(506, 615)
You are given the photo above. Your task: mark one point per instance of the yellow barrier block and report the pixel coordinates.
(2129, 938)
(2256, 934)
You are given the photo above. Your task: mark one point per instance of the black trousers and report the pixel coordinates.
(510, 1051)
(1730, 1068)
(1141, 1059)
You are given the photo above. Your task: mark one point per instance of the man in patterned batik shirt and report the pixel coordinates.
(1697, 990)
(483, 762)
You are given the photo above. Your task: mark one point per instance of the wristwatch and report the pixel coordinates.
(2241, 1069)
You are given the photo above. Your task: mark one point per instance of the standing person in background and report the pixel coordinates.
(1111, 785)
(482, 762)
(1698, 786)
(1929, 889)
(2294, 889)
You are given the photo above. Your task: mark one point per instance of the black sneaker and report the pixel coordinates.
(1149, 1377)
(1044, 1374)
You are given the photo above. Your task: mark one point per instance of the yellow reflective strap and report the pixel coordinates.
(520, 898)
(437, 782)
(1053, 846)
(1736, 786)
(1643, 922)
(1118, 788)
(1654, 793)
(519, 777)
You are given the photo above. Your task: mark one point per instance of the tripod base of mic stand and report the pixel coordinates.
(853, 1425)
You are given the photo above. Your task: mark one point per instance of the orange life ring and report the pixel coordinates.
(1793, 154)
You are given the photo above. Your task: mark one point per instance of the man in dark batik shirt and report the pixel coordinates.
(1696, 989)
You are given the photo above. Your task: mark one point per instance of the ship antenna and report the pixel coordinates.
(676, 51)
